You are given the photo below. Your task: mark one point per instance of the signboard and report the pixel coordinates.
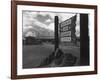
(67, 30)
(64, 34)
(66, 22)
(64, 39)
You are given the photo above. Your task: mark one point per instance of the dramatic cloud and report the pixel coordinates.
(46, 20)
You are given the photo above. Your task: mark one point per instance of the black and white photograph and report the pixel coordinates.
(53, 39)
(50, 39)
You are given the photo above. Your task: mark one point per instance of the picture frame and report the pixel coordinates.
(43, 13)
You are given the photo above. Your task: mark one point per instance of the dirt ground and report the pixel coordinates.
(33, 55)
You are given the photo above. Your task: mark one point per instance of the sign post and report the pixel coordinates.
(67, 34)
(56, 33)
(58, 54)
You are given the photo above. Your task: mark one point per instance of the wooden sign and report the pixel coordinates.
(67, 29)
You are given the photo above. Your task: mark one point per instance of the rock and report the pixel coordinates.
(58, 57)
(69, 60)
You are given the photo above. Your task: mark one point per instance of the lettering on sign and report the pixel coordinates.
(68, 33)
(66, 39)
(66, 28)
(67, 22)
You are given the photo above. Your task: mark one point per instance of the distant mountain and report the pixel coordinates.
(39, 31)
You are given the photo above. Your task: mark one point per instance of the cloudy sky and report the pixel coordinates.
(46, 20)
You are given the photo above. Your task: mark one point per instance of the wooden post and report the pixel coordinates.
(84, 40)
(58, 54)
(56, 33)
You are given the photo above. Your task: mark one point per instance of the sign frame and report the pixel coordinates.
(14, 35)
(66, 29)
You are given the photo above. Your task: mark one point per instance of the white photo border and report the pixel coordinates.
(21, 71)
